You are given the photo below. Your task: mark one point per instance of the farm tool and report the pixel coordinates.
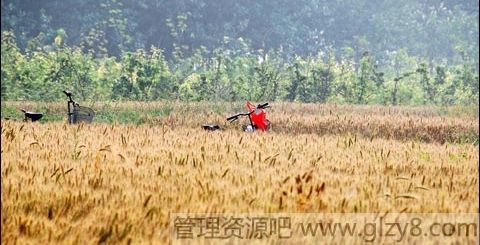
(77, 113)
(29, 116)
(257, 118)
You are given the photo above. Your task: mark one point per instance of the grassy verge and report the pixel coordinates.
(427, 123)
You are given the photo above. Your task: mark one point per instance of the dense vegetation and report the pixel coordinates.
(122, 183)
(452, 124)
(362, 52)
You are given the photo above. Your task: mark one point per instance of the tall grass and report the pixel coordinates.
(119, 183)
(427, 123)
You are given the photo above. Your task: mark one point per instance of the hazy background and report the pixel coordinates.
(202, 43)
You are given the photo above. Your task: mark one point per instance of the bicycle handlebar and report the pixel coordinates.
(262, 106)
(235, 117)
(68, 94)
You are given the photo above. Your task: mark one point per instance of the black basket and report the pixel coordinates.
(82, 114)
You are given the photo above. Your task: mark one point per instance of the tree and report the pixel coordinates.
(364, 83)
(322, 79)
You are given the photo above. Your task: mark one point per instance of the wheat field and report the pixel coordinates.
(120, 183)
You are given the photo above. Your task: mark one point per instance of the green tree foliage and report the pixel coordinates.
(12, 61)
(432, 29)
(363, 51)
(230, 75)
(144, 76)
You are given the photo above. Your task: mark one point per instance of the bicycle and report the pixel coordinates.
(77, 113)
